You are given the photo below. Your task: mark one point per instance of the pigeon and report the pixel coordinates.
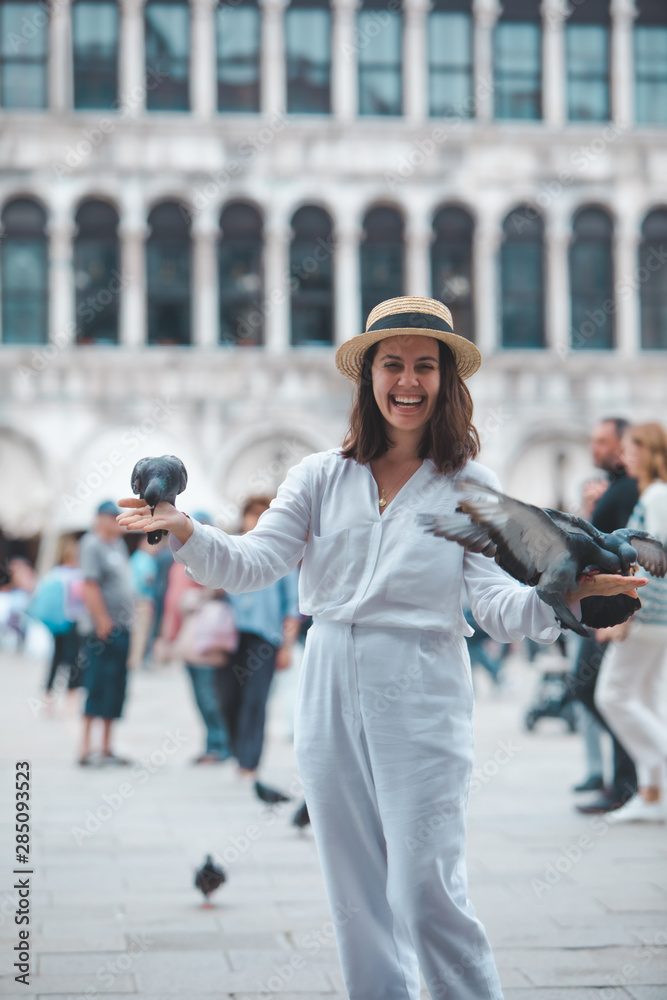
(157, 479)
(550, 551)
(301, 819)
(270, 795)
(209, 878)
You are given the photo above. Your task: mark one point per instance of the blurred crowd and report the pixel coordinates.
(115, 603)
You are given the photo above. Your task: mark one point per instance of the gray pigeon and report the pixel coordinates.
(548, 550)
(157, 479)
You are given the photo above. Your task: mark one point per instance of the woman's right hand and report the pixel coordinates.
(166, 518)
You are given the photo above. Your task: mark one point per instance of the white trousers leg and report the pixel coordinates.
(383, 738)
(628, 695)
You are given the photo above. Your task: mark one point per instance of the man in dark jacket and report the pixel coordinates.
(611, 511)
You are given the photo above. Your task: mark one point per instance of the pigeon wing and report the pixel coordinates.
(527, 540)
(140, 476)
(574, 525)
(651, 553)
(459, 528)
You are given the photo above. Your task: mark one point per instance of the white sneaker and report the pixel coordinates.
(636, 810)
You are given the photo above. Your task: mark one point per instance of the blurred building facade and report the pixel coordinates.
(199, 201)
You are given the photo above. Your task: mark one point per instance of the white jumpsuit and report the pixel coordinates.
(383, 733)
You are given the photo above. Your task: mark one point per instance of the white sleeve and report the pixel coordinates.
(244, 563)
(654, 502)
(504, 608)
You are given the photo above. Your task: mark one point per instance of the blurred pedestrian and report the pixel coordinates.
(108, 595)
(628, 692)
(144, 576)
(610, 510)
(269, 623)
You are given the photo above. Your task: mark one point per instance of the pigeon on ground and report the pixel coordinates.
(157, 479)
(301, 819)
(209, 878)
(547, 550)
(270, 795)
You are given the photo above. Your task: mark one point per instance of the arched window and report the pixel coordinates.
(653, 281)
(308, 49)
(168, 274)
(650, 33)
(24, 280)
(24, 48)
(311, 277)
(451, 266)
(95, 53)
(238, 41)
(517, 60)
(96, 274)
(240, 276)
(167, 25)
(450, 34)
(587, 55)
(379, 52)
(381, 258)
(592, 281)
(522, 279)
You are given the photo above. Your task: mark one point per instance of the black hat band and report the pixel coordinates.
(412, 321)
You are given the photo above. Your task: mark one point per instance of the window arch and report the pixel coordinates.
(168, 266)
(97, 277)
(311, 277)
(451, 266)
(522, 279)
(381, 258)
(240, 275)
(24, 276)
(653, 281)
(308, 51)
(591, 281)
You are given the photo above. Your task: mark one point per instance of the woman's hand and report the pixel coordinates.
(166, 517)
(605, 585)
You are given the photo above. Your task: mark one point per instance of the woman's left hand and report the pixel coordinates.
(605, 585)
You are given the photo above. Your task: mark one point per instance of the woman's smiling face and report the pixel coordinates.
(406, 380)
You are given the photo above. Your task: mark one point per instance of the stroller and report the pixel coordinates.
(553, 699)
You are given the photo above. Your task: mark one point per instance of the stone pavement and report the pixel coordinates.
(576, 908)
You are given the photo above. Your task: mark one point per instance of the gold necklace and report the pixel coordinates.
(383, 494)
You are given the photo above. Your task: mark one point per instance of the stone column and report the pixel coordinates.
(554, 13)
(418, 238)
(486, 14)
(62, 326)
(347, 280)
(205, 302)
(486, 284)
(276, 304)
(557, 286)
(623, 13)
(203, 70)
(344, 60)
(415, 60)
(132, 64)
(133, 233)
(273, 100)
(60, 78)
(627, 277)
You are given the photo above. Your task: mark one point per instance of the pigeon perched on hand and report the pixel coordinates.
(209, 878)
(158, 479)
(548, 550)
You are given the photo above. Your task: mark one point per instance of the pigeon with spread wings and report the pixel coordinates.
(547, 550)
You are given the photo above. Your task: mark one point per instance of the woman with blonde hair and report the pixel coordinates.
(628, 691)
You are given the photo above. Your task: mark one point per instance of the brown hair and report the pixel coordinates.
(653, 438)
(450, 438)
(68, 551)
(253, 504)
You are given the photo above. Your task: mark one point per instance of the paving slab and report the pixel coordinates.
(572, 905)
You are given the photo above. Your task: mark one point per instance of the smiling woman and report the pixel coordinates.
(387, 615)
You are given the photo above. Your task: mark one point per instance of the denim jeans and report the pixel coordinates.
(204, 685)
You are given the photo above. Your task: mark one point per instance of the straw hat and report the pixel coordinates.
(409, 314)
